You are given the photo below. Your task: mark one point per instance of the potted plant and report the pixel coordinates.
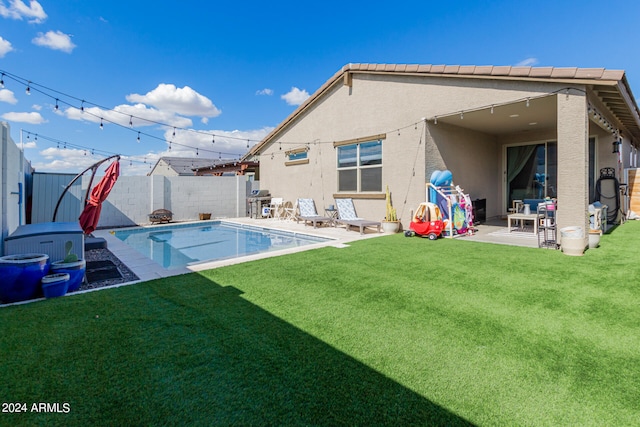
(71, 265)
(390, 224)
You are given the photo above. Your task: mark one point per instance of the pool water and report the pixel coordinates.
(176, 246)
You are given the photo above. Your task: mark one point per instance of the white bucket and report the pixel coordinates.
(527, 210)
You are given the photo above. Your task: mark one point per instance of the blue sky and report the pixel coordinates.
(231, 72)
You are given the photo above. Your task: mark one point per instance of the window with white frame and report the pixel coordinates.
(359, 166)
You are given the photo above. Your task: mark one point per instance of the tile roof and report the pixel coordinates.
(491, 70)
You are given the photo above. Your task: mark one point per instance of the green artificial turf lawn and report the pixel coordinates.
(388, 331)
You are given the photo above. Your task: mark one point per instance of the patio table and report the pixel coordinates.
(524, 217)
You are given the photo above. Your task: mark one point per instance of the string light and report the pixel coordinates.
(2, 81)
(56, 107)
(28, 90)
(130, 121)
(101, 125)
(138, 136)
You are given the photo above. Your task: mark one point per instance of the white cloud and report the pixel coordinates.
(529, 62)
(185, 101)
(56, 40)
(36, 107)
(226, 142)
(7, 96)
(295, 96)
(123, 114)
(265, 91)
(5, 47)
(18, 9)
(32, 118)
(64, 159)
(29, 144)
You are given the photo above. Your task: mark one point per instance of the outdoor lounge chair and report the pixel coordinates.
(308, 213)
(347, 216)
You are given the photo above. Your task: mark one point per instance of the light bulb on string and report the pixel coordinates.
(101, 125)
(197, 153)
(28, 89)
(247, 143)
(174, 133)
(169, 145)
(138, 136)
(213, 139)
(56, 107)
(2, 81)
(130, 121)
(82, 106)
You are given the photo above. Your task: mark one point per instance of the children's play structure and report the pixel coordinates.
(448, 210)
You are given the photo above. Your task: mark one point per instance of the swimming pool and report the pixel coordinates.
(179, 245)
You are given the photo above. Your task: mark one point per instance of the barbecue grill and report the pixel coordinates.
(256, 200)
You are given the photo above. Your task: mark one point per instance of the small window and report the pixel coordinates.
(297, 157)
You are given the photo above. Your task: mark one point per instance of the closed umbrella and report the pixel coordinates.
(91, 213)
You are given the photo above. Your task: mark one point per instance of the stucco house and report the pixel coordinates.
(504, 132)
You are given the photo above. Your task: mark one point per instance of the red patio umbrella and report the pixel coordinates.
(91, 213)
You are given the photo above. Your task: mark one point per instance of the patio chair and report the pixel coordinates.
(289, 210)
(308, 213)
(275, 207)
(347, 216)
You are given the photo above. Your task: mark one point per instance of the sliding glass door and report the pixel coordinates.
(532, 171)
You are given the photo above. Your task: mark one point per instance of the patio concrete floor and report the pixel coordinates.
(146, 269)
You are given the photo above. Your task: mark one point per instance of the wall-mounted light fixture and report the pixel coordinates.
(616, 145)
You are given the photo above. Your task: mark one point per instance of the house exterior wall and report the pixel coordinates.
(162, 168)
(392, 105)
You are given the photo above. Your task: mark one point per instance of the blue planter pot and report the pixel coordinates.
(75, 270)
(21, 276)
(55, 285)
